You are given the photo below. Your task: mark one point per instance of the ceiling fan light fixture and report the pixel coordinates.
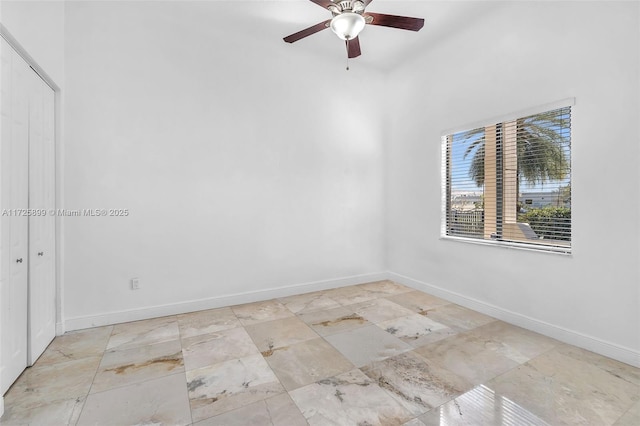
(347, 25)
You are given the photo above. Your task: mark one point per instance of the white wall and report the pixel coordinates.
(39, 28)
(244, 166)
(520, 56)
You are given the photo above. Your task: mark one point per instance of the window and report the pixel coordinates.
(509, 183)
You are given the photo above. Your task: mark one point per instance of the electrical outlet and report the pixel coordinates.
(135, 283)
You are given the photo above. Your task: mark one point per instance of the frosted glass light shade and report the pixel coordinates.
(347, 25)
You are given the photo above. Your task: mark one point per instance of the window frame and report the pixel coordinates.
(541, 248)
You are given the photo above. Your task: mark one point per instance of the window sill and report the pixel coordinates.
(541, 247)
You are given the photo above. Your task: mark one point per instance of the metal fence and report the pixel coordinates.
(466, 223)
(470, 223)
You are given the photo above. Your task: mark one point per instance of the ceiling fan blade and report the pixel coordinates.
(393, 21)
(353, 48)
(307, 31)
(366, 2)
(323, 3)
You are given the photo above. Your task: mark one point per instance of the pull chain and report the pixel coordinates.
(347, 54)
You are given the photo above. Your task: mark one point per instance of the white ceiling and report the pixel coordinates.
(264, 23)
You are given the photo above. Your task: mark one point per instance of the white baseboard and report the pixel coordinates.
(60, 329)
(117, 317)
(602, 347)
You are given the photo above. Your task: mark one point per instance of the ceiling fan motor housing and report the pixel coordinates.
(355, 6)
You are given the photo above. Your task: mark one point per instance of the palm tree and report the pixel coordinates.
(541, 154)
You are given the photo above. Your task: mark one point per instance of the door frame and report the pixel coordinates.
(59, 177)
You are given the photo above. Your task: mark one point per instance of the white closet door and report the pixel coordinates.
(14, 227)
(42, 286)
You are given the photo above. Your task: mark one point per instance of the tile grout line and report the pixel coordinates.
(84, 403)
(184, 373)
(625, 413)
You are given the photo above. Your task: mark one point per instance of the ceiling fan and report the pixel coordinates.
(349, 18)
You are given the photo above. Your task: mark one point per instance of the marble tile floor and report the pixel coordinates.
(371, 354)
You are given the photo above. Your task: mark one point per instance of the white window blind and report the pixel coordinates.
(509, 183)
